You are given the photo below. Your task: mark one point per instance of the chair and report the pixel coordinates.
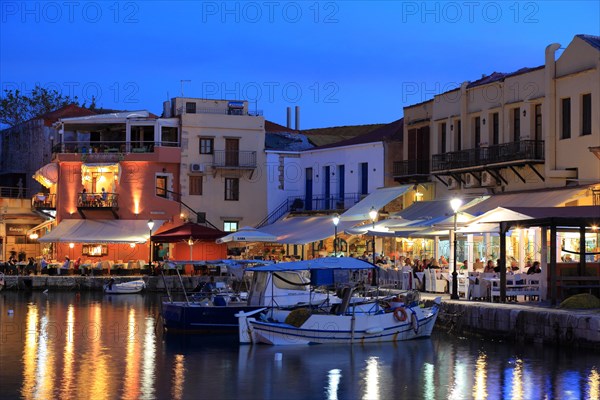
(428, 283)
(439, 285)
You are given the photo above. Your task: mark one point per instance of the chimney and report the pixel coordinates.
(297, 118)
(289, 117)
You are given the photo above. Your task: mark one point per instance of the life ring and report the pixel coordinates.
(400, 314)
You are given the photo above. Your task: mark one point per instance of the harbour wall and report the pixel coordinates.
(522, 323)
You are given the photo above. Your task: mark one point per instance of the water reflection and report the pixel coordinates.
(92, 346)
(372, 379)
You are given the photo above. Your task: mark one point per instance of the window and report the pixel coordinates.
(538, 122)
(168, 136)
(495, 128)
(566, 118)
(161, 186)
(364, 178)
(195, 185)
(230, 226)
(516, 114)
(443, 138)
(190, 108)
(232, 191)
(477, 132)
(207, 145)
(586, 114)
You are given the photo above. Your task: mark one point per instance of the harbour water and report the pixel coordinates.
(90, 345)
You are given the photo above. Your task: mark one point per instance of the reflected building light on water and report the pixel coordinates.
(149, 357)
(178, 377)
(372, 379)
(68, 385)
(29, 353)
(99, 361)
(593, 391)
(429, 381)
(517, 380)
(45, 370)
(333, 378)
(132, 367)
(480, 387)
(459, 386)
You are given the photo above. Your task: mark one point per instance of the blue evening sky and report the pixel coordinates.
(342, 62)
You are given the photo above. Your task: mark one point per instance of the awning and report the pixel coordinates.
(537, 198)
(303, 230)
(100, 231)
(43, 225)
(488, 222)
(247, 234)
(378, 199)
(47, 175)
(325, 263)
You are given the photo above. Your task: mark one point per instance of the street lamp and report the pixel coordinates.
(373, 214)
(150, 226)
(455, 204)
(336, 221)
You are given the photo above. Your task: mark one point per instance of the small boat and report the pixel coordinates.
(214, 311)
(350, 322)
(124, 288)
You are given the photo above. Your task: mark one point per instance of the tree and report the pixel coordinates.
(16, 107)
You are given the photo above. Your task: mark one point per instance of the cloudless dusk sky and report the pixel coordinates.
(342, 62)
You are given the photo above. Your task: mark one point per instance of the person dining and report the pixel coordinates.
(66, 265)
(489, 267)
(535, 268)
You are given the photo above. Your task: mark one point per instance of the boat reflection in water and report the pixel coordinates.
(66, 345)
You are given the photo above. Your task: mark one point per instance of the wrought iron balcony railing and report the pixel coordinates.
(43, 201)
(234, 159)
(411, 167)
(524, 150)
(97, 200)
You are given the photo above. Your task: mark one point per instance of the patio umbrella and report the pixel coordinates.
(187, 231)
(247, 234)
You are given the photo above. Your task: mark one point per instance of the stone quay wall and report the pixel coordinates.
(522, 323)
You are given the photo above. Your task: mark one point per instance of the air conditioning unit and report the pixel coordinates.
(197, 167)
(453, 183)
(488, 179)
(472, 180)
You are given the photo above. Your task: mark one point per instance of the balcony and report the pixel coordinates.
(410, 171)
(107, 151)
(323, 203)
(90, 202)
(44, 201)
(225, 159)
(524, 152)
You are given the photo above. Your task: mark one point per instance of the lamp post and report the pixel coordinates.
(373, 214)
(336, 221)
(455, 204)
(150, 226)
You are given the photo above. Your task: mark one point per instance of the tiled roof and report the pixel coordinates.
(592, 40)
(68, 111)
(392, 130)
(273, 127)
(286, 141)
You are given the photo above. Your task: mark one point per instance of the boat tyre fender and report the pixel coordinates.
(400, 314)
(414, 321)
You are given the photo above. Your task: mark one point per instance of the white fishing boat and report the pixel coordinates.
(124, 288)
(350, 322)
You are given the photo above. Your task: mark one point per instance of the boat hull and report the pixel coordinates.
(201, 318)
(346, 329)
(125, 288)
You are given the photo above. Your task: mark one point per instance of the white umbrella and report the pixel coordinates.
(247, 234)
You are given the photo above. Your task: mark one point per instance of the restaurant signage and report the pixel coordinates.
(17, 229)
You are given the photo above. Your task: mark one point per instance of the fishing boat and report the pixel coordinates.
(213, 309)
(124, 288)
(350, 322)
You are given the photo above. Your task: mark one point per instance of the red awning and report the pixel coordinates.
(187, 230)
